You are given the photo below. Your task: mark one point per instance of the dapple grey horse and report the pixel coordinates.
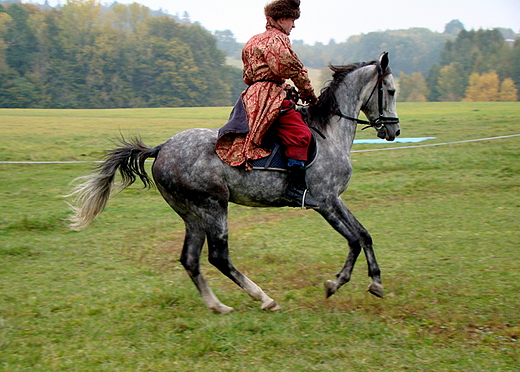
(198, 185)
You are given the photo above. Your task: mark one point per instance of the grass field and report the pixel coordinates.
(444, 219)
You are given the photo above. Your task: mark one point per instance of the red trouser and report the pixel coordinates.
(292, 131)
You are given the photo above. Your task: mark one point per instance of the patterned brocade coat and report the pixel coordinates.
(268, 61)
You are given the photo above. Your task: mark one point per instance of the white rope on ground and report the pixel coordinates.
(438, 144)
(50, 162)
(368, 150)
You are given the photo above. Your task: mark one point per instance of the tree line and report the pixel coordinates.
(476, 66)
(84, 55)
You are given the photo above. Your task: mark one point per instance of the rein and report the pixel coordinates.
(382, 120)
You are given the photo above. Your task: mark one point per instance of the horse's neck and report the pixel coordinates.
(349, 97)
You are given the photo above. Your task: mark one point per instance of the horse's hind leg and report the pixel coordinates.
(217, 234)
(190, 259)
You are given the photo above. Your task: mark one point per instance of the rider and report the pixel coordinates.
(268, 61)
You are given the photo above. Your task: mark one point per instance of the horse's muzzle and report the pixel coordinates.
(388, 132)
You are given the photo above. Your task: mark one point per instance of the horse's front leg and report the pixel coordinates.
(343, 221)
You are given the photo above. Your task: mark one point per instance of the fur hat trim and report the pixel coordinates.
(283, 9)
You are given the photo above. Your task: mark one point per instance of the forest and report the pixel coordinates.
(86, 55)
(83, 55)
(477, 66)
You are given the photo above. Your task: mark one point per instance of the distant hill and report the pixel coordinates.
(411, 50)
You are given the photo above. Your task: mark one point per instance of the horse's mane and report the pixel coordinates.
(318, 115)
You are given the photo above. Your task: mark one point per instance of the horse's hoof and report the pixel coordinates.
(222, 309)
(273, 306)
(376, 289)
(330, 288)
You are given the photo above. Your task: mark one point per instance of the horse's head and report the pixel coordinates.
(365, 86)
(380, 102)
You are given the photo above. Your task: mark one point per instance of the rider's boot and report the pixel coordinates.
(297, 193)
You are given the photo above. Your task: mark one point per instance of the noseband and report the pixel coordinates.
(382, 120)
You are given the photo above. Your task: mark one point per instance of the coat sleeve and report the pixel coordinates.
(285, 63)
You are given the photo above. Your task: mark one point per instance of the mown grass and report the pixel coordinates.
(444, 221)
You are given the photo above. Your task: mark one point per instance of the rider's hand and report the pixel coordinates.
(311, 99)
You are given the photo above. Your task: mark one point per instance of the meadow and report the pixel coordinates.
(444, 220)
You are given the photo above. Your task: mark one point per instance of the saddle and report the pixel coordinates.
(277, 161)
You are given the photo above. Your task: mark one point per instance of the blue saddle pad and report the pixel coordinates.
(275, 161)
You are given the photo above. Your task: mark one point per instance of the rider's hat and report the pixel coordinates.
(283, 9)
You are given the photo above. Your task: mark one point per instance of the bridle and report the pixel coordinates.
(382, 120)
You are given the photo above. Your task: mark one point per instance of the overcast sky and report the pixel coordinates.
(323, 20)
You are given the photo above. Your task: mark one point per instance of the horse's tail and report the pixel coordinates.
(91, 196)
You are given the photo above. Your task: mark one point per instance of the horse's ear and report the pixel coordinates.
(383, 61)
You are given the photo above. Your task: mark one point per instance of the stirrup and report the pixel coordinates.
(303, 199)
(313, 205)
